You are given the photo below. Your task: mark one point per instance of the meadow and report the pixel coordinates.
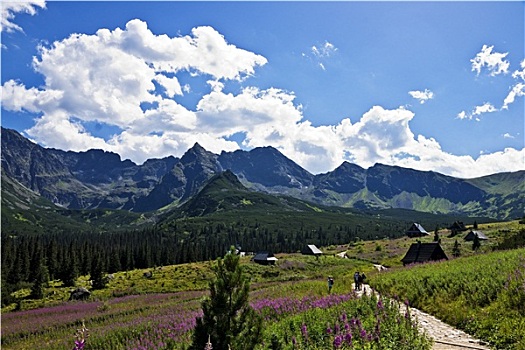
(135, 312)
(482, 292)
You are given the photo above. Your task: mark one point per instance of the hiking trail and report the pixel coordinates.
(445, 336)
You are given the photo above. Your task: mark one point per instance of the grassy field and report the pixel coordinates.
(158, 312)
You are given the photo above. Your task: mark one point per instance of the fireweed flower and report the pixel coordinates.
(363, 334)
(304, 331)
(348, 338)
(338, 341)
(81, 337)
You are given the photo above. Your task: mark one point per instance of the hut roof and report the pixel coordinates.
(470, 236)
(311, 249)
(458, 226)
(264, 257)
(416, 230)
(423, 252)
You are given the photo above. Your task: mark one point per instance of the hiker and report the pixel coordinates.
(330, 284)
(356, 280)
(361, 279)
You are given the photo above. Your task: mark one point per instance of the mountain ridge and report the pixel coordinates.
(99, 179)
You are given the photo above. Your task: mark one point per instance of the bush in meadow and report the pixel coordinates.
(228, 320)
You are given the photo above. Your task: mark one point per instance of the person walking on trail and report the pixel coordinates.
(330, 284)
(361, 278)
(356, 280)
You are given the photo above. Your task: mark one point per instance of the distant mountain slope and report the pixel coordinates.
(224, 192)
(98, 179)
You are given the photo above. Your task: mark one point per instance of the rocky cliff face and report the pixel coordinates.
(99, 179)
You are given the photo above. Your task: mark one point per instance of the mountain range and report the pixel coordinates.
(97, 179)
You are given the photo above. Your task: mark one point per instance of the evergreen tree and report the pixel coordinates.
(97, 273)
(476, 244)
(436, 235)
(40, 282)
(455, 250)
(228, 320)
(70, 273)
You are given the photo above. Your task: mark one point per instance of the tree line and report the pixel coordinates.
(30, 259)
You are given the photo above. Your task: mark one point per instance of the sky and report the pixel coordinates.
(433, 86)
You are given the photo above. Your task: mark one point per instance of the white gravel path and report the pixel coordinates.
(445, 336)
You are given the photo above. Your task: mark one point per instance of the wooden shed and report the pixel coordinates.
(311, 249)
(473, 233)
(424, 252)
(457, 227)
(416, 230)
(265, 258)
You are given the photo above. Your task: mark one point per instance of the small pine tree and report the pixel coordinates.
(228, 319)
(476, 244)
(456, 252)
(436, 235)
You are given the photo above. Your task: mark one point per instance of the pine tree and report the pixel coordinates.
(228, 320)
(97, 273)
(41, 276)
(476, 244)
(436, 235)
(455, 250)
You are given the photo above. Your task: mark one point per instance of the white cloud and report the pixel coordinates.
(129, 79)
(320, 54)
(325, 50)
(10, 8)
(487, 107)
(508, 136)
(520, 74)
(517, 91)
(422, 96)
(493, 61)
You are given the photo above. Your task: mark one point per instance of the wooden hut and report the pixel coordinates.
(311, 249)
(457, 227)
(416, 230)
(265, 258)
(424, 252)
(473, 233)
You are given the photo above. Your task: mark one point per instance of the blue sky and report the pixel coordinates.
(427, 85)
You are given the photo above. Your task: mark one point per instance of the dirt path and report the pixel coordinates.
(445, 336)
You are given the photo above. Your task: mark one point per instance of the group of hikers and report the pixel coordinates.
(359, 278)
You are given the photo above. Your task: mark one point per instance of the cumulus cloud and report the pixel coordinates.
(422, 96)
(494, 62)
(518, 89)
(487, 107)
(9, 9)
(129, 79)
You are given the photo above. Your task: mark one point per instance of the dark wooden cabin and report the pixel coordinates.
(311, 249)
(416, 230)
(265, 258)
(473, 233)
(424, 252)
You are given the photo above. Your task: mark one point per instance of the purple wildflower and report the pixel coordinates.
(338, 341)
(348, 338)
(81, 337)
(362, 334)
(304, 331)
